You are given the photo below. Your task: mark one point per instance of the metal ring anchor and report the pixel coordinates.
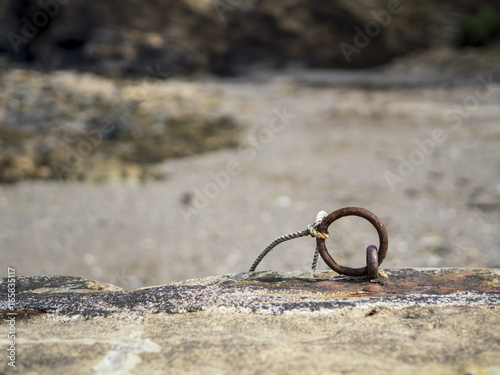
(374, 257)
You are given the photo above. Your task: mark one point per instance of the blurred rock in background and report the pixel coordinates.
(69, 126)
(51, 120)
(123, 38)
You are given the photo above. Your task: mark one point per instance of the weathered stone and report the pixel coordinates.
(440, 321)
(58, 284)
(260, 292)
(70, 126)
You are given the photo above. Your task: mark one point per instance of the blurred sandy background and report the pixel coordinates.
(154, 141)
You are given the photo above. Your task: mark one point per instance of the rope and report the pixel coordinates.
(312, 227)
(314, 265)
(311, 230)
(275, 243)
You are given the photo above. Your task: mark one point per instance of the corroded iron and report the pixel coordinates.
(374, 258)
(319, 230)
(371, 262)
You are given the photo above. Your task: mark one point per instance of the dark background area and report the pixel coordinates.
(122, 37)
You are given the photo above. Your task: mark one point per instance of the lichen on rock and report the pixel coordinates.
(71, 126)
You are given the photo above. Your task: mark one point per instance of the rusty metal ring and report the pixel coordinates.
(352, 211)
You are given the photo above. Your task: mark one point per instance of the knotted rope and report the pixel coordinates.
(310, 231)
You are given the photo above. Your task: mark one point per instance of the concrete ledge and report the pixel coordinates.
(439, 321)
(267, 292)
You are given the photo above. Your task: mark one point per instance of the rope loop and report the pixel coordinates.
(311, 230)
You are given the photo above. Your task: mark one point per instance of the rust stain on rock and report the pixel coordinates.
(409, 281)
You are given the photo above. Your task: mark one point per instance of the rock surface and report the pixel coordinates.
(69, 126)
(440, 321)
